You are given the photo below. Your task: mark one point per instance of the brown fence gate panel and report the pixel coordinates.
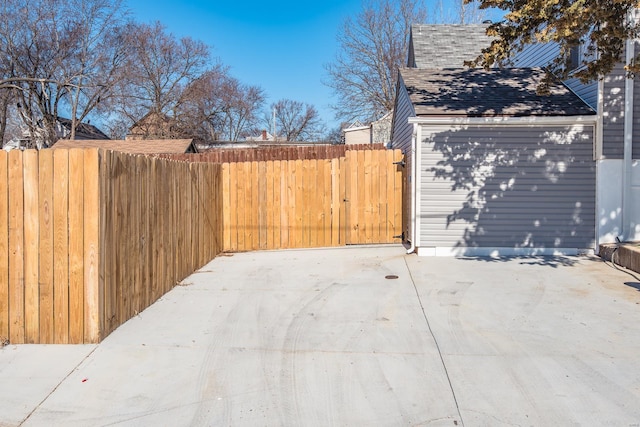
(354, 199)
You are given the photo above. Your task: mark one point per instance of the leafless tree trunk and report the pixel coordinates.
(160, 68)
(5, 99)
(241, 111)
(373, 45)
(62, 55)
(296, 121)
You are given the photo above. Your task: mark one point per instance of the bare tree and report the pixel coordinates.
(243, 102)
(159, 69)
(296, 121)
(98, 59)
(372, 46)
(458, 12)
(61, 56)
(216, 105)
(202, 107)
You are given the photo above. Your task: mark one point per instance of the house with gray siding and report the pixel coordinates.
(493, 168)
(616, 98)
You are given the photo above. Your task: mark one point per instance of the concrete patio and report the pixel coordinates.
(331, 337)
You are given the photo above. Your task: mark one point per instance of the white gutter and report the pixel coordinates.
(413, 196)
(628, 142)
(506, 121)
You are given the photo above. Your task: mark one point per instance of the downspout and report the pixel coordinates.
(597, 157)
(628, 143)
(413, 194)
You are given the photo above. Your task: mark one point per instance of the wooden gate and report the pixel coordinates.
(373, 197)
(355, 199)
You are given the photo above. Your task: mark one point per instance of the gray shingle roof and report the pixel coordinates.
(446, 46)
(465, 92)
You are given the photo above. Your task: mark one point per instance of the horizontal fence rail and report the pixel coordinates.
(273, 152)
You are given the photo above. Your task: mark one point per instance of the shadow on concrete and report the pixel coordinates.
(635, 285)
(544, 261)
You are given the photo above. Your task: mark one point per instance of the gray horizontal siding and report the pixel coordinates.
(588, 92)
(513, 187)
(536, 55)
(402, 131)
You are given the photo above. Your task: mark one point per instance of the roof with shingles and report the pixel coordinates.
(446, 46)
(466, 92)
(83, 130)
(137, 146)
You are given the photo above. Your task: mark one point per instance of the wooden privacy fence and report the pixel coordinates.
(90, 238)
(354, 199)
(162, 220)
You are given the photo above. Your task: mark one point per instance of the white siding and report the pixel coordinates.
(506, 187)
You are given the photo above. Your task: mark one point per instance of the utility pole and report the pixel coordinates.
(273, 125)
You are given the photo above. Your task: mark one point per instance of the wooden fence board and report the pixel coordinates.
(61, 246)
(263, 207)
(284, 204)
(307, 187)
(45, 243)
(76, 246)
(299, 207)
(16, 248)
(336, 203)
(375, 203)
(255, 206)
(4, 246)
(137, 235)
(226, 199)
(91, 279)
(384, 169)
(270, 205)
(31, 239)
(317, 198)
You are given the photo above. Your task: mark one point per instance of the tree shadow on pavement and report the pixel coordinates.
(544, 261)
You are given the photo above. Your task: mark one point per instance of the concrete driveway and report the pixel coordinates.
(331, 337)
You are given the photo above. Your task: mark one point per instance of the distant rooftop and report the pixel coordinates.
(138, 146)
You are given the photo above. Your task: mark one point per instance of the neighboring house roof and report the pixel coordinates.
(141, 146)
(355, 125)
(264, 136)
(153, 124)
(498, 92)
(446, 46)
(83, 130)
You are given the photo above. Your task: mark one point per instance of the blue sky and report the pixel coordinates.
(281, 46)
